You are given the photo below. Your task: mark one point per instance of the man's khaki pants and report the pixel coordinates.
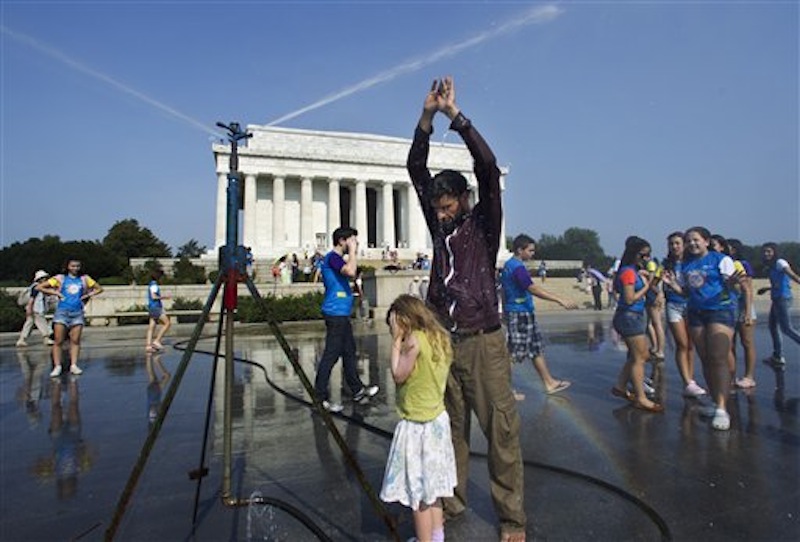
(480, 382)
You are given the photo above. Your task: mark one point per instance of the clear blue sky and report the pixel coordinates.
(623, 117)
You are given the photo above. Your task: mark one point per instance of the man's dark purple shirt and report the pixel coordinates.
(463, 289)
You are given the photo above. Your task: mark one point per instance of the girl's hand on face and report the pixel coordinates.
(395, 330)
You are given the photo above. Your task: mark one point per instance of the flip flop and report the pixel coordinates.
(657, 408)
(561, 385)
(628, 396)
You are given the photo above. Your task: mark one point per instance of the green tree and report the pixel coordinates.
(584, 244)
(191, 249)
(19, 261)
(128, 240)
(551, 247)
(185, 272)
(143, 274)
(575, 244)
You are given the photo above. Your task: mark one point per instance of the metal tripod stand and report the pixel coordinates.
(232, 270)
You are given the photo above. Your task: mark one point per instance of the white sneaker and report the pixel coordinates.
(775, 361)
(366, 392)
(74, 369)
(49, 342)
(721, 420)
(21, 343)
(648, 387)
(56, 372)
(332, 407)
(693, 390)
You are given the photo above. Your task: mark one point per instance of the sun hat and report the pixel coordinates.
(39, 275)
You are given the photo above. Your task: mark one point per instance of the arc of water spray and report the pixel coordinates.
(83, 68)
(537, 15)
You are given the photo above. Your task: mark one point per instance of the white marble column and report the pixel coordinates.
(503, 232)
(278, 219)
(402, 212)
(416, 221)
(361, 211)
(306, 212)
(222, 201)
(388, 235)
(249, 234)
(334, 211)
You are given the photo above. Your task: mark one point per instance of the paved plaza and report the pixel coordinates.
(596, 469)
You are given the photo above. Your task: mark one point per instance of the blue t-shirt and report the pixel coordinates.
(671, 295)
(705, 279)
(338, 300)
(515, 280)
(154, 288)
(627, 275)
(72, 290)
(780, 284)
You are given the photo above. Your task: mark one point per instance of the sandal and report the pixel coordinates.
(561, 385)
(745, 383)
(655, 407)
(628, 396)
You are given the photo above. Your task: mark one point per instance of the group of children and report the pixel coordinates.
(709, 301)
(72, 289)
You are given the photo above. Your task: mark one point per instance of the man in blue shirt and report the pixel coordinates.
(336, 308)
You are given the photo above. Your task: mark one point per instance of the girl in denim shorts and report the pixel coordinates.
(630, 322)
(73, 290)
(678, 318)
(710, 279)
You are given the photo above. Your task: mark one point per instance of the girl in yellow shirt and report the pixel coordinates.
(421, 468)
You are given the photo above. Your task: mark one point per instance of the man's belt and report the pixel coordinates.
(462, 334)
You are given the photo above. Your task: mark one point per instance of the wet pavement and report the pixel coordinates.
(596, 469)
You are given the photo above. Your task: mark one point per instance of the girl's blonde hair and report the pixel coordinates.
(411, 314)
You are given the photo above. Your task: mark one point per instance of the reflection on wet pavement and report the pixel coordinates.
(595, 467)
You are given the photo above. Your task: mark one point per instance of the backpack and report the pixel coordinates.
(24, 297)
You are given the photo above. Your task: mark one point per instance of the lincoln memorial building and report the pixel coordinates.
(300, 185)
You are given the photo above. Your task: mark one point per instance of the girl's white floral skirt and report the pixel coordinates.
(421, 466)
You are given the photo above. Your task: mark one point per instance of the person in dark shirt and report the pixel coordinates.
(462, 293)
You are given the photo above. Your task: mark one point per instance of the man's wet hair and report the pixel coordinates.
(448, 182)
